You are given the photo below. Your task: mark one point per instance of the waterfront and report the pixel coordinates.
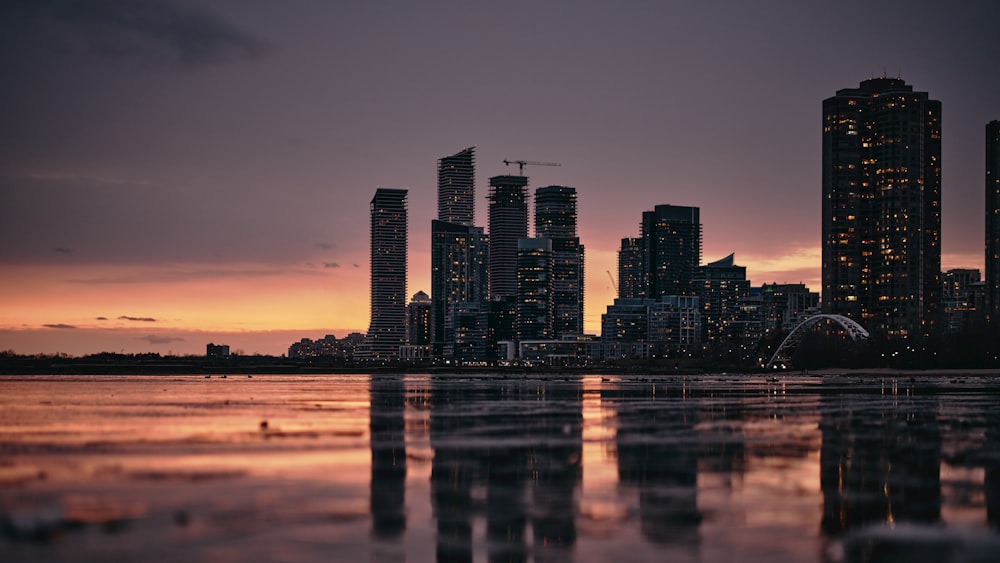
(454, 468)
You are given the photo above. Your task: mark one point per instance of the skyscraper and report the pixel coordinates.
(721, 285)
(633, 282)
(458, 276)
(882, 208)
(508, 224)
(993, 224)
(664, 260)
(533, 320)
(457, 187)
(672, 240)
(387, 329)
(555, 219)
(458, 250)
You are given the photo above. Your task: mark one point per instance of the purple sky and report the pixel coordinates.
(238, 142)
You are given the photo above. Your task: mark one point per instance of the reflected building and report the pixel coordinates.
(508, 454)
(387, 427)
(387, 329)
(870, 474)
(882, 208)
(658, 451)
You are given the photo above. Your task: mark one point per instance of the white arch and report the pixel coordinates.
(854, 330)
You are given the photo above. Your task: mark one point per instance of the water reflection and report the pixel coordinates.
(387, 425)
(880, 459)
(658, 455)
(508, 452)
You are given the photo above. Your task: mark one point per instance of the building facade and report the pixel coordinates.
(882, 208)
(457, 187)
(387, 328)
(664, 259)
(533, 319)
(418, 320)
(556, 219)
(508, 223)
(721, 285)
(633, 281)
(993, 224)
(458, 275)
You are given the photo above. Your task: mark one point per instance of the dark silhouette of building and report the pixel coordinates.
(993, 224)
(457, 187)
(721, 285)
(672, 236)
(534, 289)
(961, 300)
(508, 223)
(880, 461)
(633, 281)
(785, 304)
(665, 258)
(387, 329)
(882, 208)
(458, 278)
(418, 319)
(387, 426)
(213, 350)
(459, 251)
(556, 219)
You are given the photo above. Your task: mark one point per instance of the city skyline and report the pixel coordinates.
(209, 183)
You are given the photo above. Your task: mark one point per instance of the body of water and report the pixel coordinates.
(823, 468)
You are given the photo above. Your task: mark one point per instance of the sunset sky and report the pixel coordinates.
(174, 173)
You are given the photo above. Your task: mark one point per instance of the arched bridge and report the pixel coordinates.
(794, 338)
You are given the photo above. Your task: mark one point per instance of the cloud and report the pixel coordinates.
(151, 32)
(326, 245)
(62, 250)
(60, 325)
(156, 339)
(356, 266)
(138, 319)
(102, 318)
(331, 265)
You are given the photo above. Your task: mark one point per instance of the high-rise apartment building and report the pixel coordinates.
(458, 250)
(458, 276)
(664, 260)
(534, 305)
(387, 329)
(882, 208)
(721, 286)
(555, 219)
(672, 236)
(457, 187)
(508, 222)
(633, 281)
(418, 320)
(993, 224)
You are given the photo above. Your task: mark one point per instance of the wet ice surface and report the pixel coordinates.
(457, 468)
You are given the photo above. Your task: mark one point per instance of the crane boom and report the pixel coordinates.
(612, 278)
(522, 163)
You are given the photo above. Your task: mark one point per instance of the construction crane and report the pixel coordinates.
(522, 163)
(613, 284)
